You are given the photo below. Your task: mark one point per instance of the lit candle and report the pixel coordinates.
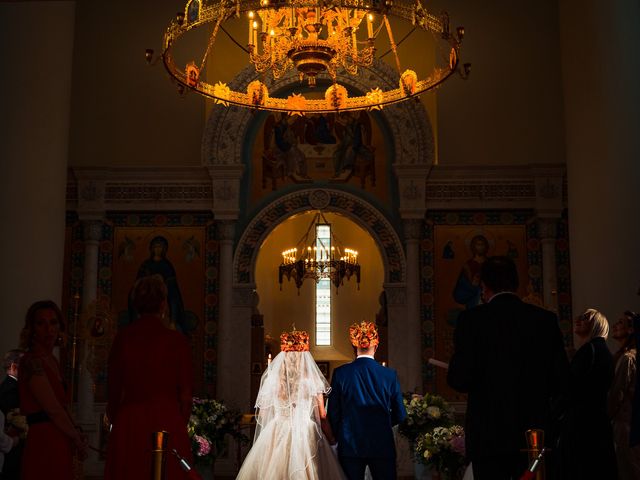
(269, 360)
(255, 33)
(370, 25)
(384, 364)
(250, 25)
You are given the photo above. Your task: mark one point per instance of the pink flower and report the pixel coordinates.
(457, 444)
(204, 447)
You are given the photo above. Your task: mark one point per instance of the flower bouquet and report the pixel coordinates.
(424, 414)
(210, 423)
(443, 450)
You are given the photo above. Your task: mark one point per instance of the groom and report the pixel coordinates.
(365, 403)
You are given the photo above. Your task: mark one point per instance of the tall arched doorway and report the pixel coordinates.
(281, 306)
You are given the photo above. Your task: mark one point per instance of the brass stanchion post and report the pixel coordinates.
(535, 443)
(158, 454)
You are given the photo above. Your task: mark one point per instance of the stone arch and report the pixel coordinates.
(224, 135)
(351, 206)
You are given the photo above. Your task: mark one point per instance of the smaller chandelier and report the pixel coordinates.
(319, 255)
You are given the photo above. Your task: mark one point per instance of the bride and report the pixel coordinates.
(292, 434)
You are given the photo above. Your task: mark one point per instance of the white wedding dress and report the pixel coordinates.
(289, 443)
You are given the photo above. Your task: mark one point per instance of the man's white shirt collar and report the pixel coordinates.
(365, 356)
(501, 293)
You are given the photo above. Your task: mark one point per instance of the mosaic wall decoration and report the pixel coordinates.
(563, 275)
(345, 148)
(181, 247)
(452, 244)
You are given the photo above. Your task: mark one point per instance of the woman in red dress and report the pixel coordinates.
(53, 436)
(150, 388)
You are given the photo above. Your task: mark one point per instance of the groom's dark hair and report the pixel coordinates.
(500, 274)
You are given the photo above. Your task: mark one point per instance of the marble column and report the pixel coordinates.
(547, 228)
(396, 294)
(413, 344)
(233, 370)
(86, 382)
(92, 237)
(36, 47)
(601, 74)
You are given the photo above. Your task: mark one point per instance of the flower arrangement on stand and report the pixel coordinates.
(443, 449)
(209, 425)
(424, 413)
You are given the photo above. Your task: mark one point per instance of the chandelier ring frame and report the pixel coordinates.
(217, 13)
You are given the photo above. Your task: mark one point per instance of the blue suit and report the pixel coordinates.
(364, 404)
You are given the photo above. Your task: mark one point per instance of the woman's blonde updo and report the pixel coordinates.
(149, 294)
(599, 323)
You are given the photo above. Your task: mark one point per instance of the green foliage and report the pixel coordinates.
(210, 424)
(444, 450)
(424, 413)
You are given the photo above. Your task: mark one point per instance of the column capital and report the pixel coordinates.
(547, 228)
(549, 186)
(92, 230)
(396, 293)
(412, 229)
(412, 187)
(245, 296)
(225, 183)
(91, 194)
(226, 230)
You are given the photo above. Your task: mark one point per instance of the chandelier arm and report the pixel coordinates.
(392, 43)
(212, 40)
(397, 44)
(233, 39)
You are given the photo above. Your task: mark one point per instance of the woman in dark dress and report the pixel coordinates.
(45, 400)
(586, 440)
(150, 388)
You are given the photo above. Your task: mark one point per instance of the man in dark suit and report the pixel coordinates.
(364, 404)
(509, 357)
(9, 400)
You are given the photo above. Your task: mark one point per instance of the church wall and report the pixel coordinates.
(36, 43)
(509, 111)
(124, 112)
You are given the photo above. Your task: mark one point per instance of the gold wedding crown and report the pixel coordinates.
(294, 341)
(364, 334)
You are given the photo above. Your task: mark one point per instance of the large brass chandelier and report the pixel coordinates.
(315, 37)
(319, 255)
